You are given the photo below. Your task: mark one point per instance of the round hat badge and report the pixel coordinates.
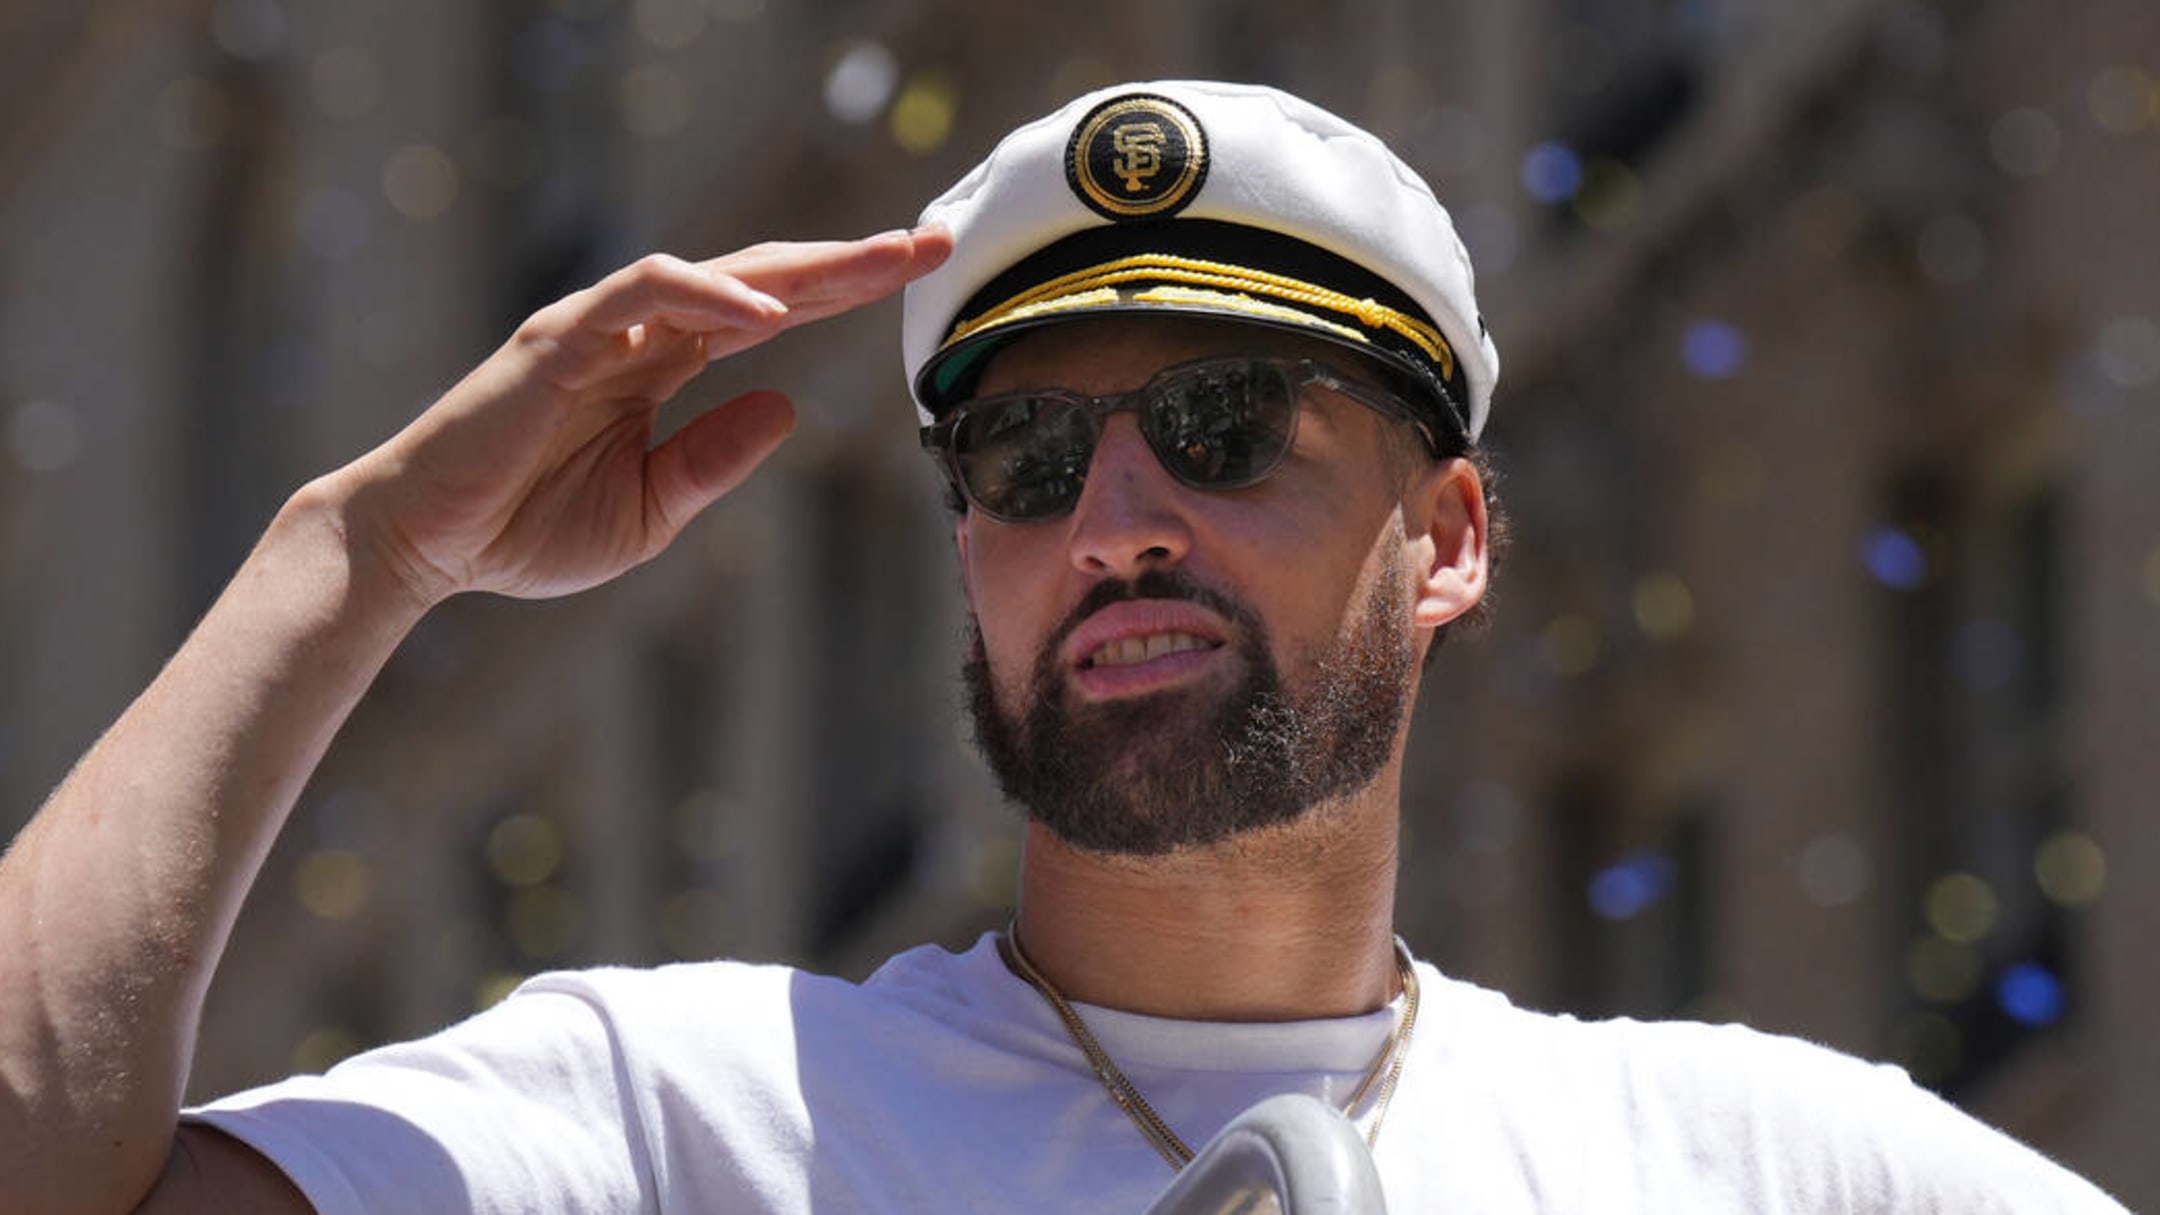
(1137, 156)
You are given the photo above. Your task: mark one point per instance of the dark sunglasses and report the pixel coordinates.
(1222, 423)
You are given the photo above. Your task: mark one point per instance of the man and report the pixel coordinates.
(1205, 373)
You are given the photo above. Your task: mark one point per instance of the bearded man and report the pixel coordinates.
(1203, 369)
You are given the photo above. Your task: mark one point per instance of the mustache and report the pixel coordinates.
(1151, 584)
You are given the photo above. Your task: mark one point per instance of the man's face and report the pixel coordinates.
(1166, 666)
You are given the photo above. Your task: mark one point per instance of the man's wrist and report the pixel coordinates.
(374, 588)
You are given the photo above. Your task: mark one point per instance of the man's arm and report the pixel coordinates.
(534, 476)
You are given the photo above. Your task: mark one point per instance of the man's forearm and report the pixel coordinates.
(537, 475)
(117, 899)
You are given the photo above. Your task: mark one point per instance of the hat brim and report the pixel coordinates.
(951, 373)
(1205, 269)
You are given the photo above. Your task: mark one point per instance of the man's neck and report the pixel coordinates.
(1290, 923)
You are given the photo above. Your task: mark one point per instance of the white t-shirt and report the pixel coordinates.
(946, 1084)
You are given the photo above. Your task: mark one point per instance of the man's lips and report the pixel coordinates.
(1142, 632)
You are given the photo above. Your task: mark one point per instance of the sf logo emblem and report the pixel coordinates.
(1136, 156)
(1139, 153)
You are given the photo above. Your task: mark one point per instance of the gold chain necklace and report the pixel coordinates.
(1386, 1068)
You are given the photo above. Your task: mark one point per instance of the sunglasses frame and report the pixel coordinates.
(1298, 374)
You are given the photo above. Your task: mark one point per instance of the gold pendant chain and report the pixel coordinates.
(1386, 1069)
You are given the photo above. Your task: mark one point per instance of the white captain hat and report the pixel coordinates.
(1196, 197)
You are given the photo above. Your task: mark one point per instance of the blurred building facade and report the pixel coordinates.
(1818, 690)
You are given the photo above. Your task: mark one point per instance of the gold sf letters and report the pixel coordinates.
(1139, 149)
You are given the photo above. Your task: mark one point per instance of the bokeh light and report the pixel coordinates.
(333, 883)
(1961, 907)
(1895, 558)
(524, 849)
(493, 986)
(1552, 172)
(1664, 607)
(861, 81)
(2030, 994)
(1713, 350)
(2123, 100)
(420, 181)
(322, 1048)
(1632, 885)
(2025, 142)
(922, 115)
(2071, 869)
(1610, 196)
(994, 871)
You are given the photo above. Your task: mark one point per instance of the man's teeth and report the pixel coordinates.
(1127, 651)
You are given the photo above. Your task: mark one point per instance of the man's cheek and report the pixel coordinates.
(1012, 664)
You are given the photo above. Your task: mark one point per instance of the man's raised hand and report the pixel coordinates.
(536, 475)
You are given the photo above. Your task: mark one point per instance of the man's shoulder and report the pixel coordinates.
(1781, 1121)
(1687, 1070)
(1675, 1051)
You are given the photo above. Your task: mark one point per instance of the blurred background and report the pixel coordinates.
(1820, 690)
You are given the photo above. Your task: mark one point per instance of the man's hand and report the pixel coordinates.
(536, 474)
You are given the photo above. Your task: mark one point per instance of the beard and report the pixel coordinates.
(1189, 767)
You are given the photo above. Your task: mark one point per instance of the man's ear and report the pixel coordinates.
(1445, 525)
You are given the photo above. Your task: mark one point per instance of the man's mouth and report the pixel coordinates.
(1130, 651)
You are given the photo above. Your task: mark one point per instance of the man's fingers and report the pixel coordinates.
(661, 287)
(597, 336)
(849, 272)
(711, 455)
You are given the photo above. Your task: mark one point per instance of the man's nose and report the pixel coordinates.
(1131, 513)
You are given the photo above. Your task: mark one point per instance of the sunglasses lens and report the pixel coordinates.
(1024, 456)
(1223, 425)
